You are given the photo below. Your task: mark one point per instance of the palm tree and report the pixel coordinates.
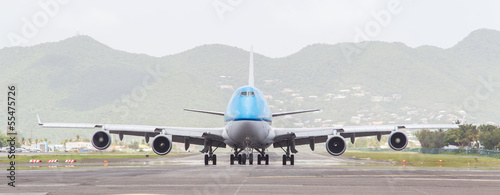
(23, 140)
(36, 141)
(30, 141)
(77, 138)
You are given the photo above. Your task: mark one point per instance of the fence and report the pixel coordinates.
(457, 151)
(437, 151)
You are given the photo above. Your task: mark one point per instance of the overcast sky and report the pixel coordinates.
(274, 28)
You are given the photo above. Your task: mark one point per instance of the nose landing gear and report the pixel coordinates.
(248, 155)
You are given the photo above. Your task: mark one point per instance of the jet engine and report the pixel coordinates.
(336, 145)
(398, 141)
(101, 140)
(161, 144)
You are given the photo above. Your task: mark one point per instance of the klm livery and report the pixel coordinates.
(248, 129)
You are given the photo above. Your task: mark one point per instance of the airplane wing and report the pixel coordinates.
(294, 112)
(179, 134)
(310, 136)
(357, 131)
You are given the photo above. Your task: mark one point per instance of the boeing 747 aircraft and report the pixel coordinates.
(248, 121)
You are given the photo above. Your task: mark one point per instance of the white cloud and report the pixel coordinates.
(275, 28)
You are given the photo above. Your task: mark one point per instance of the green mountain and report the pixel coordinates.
(82, 80)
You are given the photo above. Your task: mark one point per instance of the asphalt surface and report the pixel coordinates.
(313, 173)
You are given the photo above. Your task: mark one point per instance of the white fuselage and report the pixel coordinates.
(248, 134)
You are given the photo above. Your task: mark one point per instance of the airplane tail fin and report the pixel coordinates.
(250, 75)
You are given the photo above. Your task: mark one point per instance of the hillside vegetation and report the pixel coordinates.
(82, 80)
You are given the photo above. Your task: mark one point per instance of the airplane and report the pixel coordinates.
(248, 128)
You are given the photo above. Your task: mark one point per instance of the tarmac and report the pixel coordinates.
(313, 173)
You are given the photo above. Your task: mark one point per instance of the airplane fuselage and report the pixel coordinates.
(248, 120)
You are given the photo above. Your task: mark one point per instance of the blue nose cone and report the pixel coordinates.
(248, 103)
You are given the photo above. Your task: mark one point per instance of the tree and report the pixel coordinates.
(431, 139)
(134, 145)
(472, 137)
(489, 136)
(465, 135)
(4, 141)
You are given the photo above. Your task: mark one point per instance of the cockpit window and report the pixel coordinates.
(247, 93)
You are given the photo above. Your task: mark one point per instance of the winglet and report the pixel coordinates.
(250, 74)
(463, 120)
(39, 121)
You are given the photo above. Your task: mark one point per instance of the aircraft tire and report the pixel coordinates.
(243, 159)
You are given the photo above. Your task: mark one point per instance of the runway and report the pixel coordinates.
(314, 173)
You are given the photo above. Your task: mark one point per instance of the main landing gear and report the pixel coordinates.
(248, 155)
(290, 158)
(262, 156)
(290, 148)
(210, 156)
(237, 157)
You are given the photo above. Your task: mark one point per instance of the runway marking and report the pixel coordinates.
(47, 185)
(244, 181)
(197, 185)
(441, 179)
(241, 184)
(301, 176)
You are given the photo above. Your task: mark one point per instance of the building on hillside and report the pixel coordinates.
(230, 87)
(54, 148)
(43, 146)
(76, 145)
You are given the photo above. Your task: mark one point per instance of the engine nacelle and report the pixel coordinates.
(161, 144)
(398, 141)
(101, 140)
(336, 145)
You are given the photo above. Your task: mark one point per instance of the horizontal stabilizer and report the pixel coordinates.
(206, 112)
(294, 112)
